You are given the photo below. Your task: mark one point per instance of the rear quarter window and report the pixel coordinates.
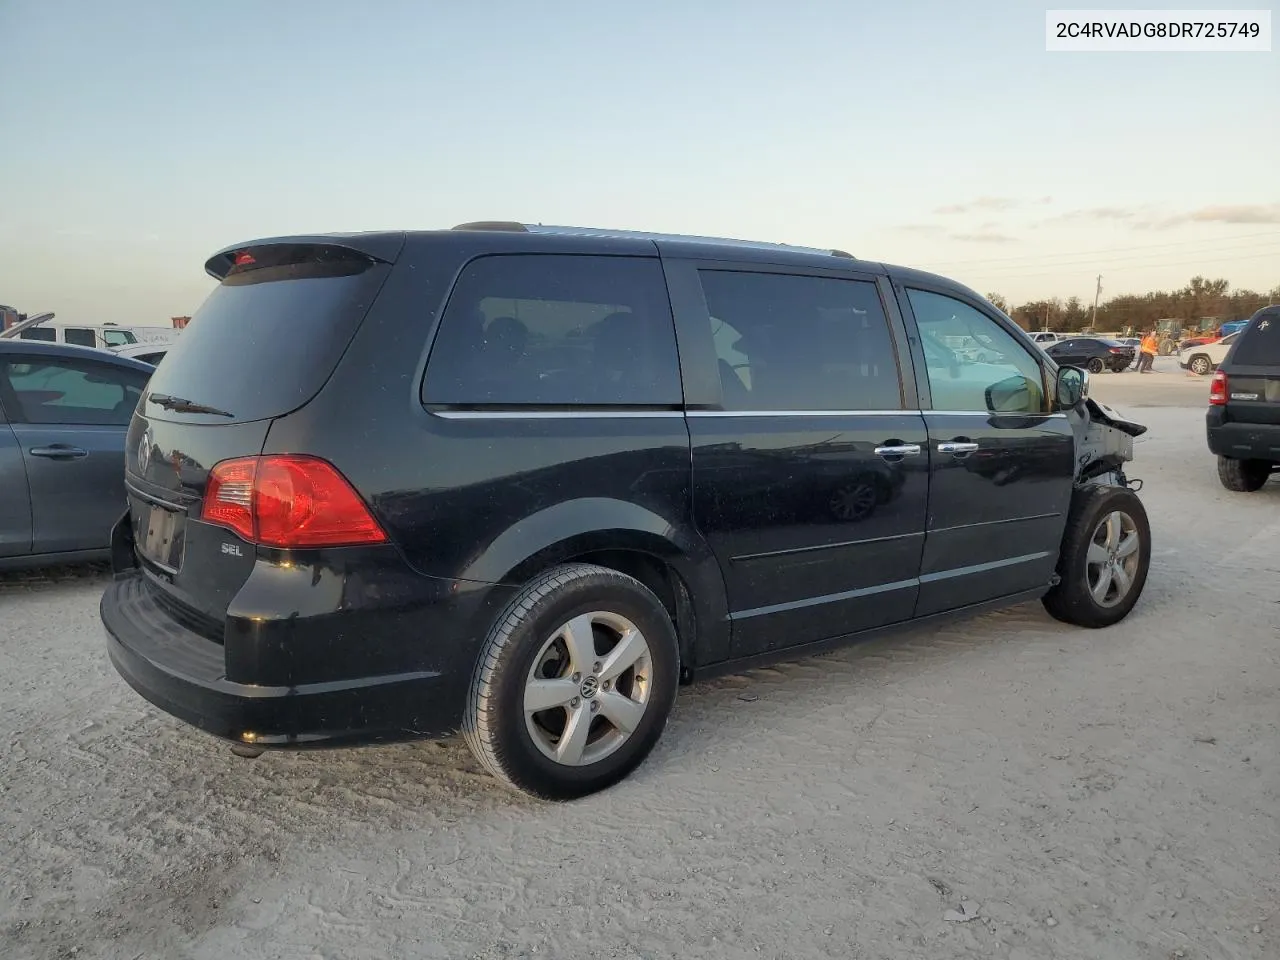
(555, 330)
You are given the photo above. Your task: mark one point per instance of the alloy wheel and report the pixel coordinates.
(1115, 551)
(588, 688)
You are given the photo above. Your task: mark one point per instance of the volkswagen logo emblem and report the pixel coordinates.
(144, 452)
(590, 687)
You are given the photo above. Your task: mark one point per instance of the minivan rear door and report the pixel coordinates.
(810, 463)
(263, 344)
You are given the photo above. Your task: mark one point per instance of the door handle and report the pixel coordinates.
(957, 448)
(899, 450)
(59, 451)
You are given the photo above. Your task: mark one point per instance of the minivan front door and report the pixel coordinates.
(810, 466)
(1002, 465)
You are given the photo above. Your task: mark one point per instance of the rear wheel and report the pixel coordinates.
(1105, 555)
(574, 684)
(1096, 365)
(1200, 365)
(1243, 476)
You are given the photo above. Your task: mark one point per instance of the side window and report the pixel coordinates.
(556, 330)
(973, 363)
(64, 392)
(116, 338)
(788, 342)
(43, 334)
(80, 337)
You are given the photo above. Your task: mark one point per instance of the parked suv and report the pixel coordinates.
(523, 481)
(1243, 421)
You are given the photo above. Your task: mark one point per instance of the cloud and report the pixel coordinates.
(989, 203)
(986, 236)
(986, 233)
(1146, 218)
(1242, 213)
(1096, 213)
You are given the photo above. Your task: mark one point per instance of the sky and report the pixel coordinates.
(140, 136)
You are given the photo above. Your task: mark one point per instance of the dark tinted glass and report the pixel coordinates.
(44, 334)
(80, 337)
(787, 342)
(72, 392)
(555, 330)
(265, 340)
(1259, 343)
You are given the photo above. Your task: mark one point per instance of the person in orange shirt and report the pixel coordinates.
(1149, 348)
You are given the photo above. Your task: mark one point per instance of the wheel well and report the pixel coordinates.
(666, 584)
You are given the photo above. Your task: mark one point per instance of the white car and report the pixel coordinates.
(1043, 338)
(1205, 358)
(148, 352)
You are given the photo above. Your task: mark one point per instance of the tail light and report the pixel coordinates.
(1218, 390)
(288, 501)
(1118, 350)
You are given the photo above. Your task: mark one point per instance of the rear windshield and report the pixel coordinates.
(267, 338)
(1259, 343)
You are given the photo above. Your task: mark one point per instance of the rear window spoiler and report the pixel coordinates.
(382, 247)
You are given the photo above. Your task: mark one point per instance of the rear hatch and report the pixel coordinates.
(1252, 371)
(261, 346)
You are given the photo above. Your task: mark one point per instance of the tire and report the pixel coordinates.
(533, 642)
(1075, 598)
(1243, 476)
(1200, 365)
(1095, 365)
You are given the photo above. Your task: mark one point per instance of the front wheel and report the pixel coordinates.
(574, 683)
(1096, 365)
(1243, 476)
(1103, 562)
(1200, 365)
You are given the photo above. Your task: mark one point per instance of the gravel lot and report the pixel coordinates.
(1109, 794)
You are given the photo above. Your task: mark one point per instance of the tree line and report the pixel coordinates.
(1199, 301)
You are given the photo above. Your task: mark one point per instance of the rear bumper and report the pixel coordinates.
(184, 673)
(1242, 441)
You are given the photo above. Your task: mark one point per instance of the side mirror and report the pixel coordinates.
(1015, 395)
(1073, 387)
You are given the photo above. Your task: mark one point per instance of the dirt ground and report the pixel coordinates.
(1007, 788)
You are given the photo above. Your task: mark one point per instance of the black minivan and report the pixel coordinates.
(522, 481)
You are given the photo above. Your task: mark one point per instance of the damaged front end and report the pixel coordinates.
(1104, 444)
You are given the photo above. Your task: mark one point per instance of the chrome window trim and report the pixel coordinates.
(598, 414)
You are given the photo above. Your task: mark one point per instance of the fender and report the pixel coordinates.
(573, 528)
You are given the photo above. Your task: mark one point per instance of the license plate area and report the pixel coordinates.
(159, 535)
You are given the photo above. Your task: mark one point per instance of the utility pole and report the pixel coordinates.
(1096, 294)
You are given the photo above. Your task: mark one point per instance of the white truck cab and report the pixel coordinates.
(101, 336)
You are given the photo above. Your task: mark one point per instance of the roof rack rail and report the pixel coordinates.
(506, 226)
(513, 227)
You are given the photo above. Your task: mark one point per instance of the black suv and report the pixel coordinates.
(523, 481)
(1244, 405)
